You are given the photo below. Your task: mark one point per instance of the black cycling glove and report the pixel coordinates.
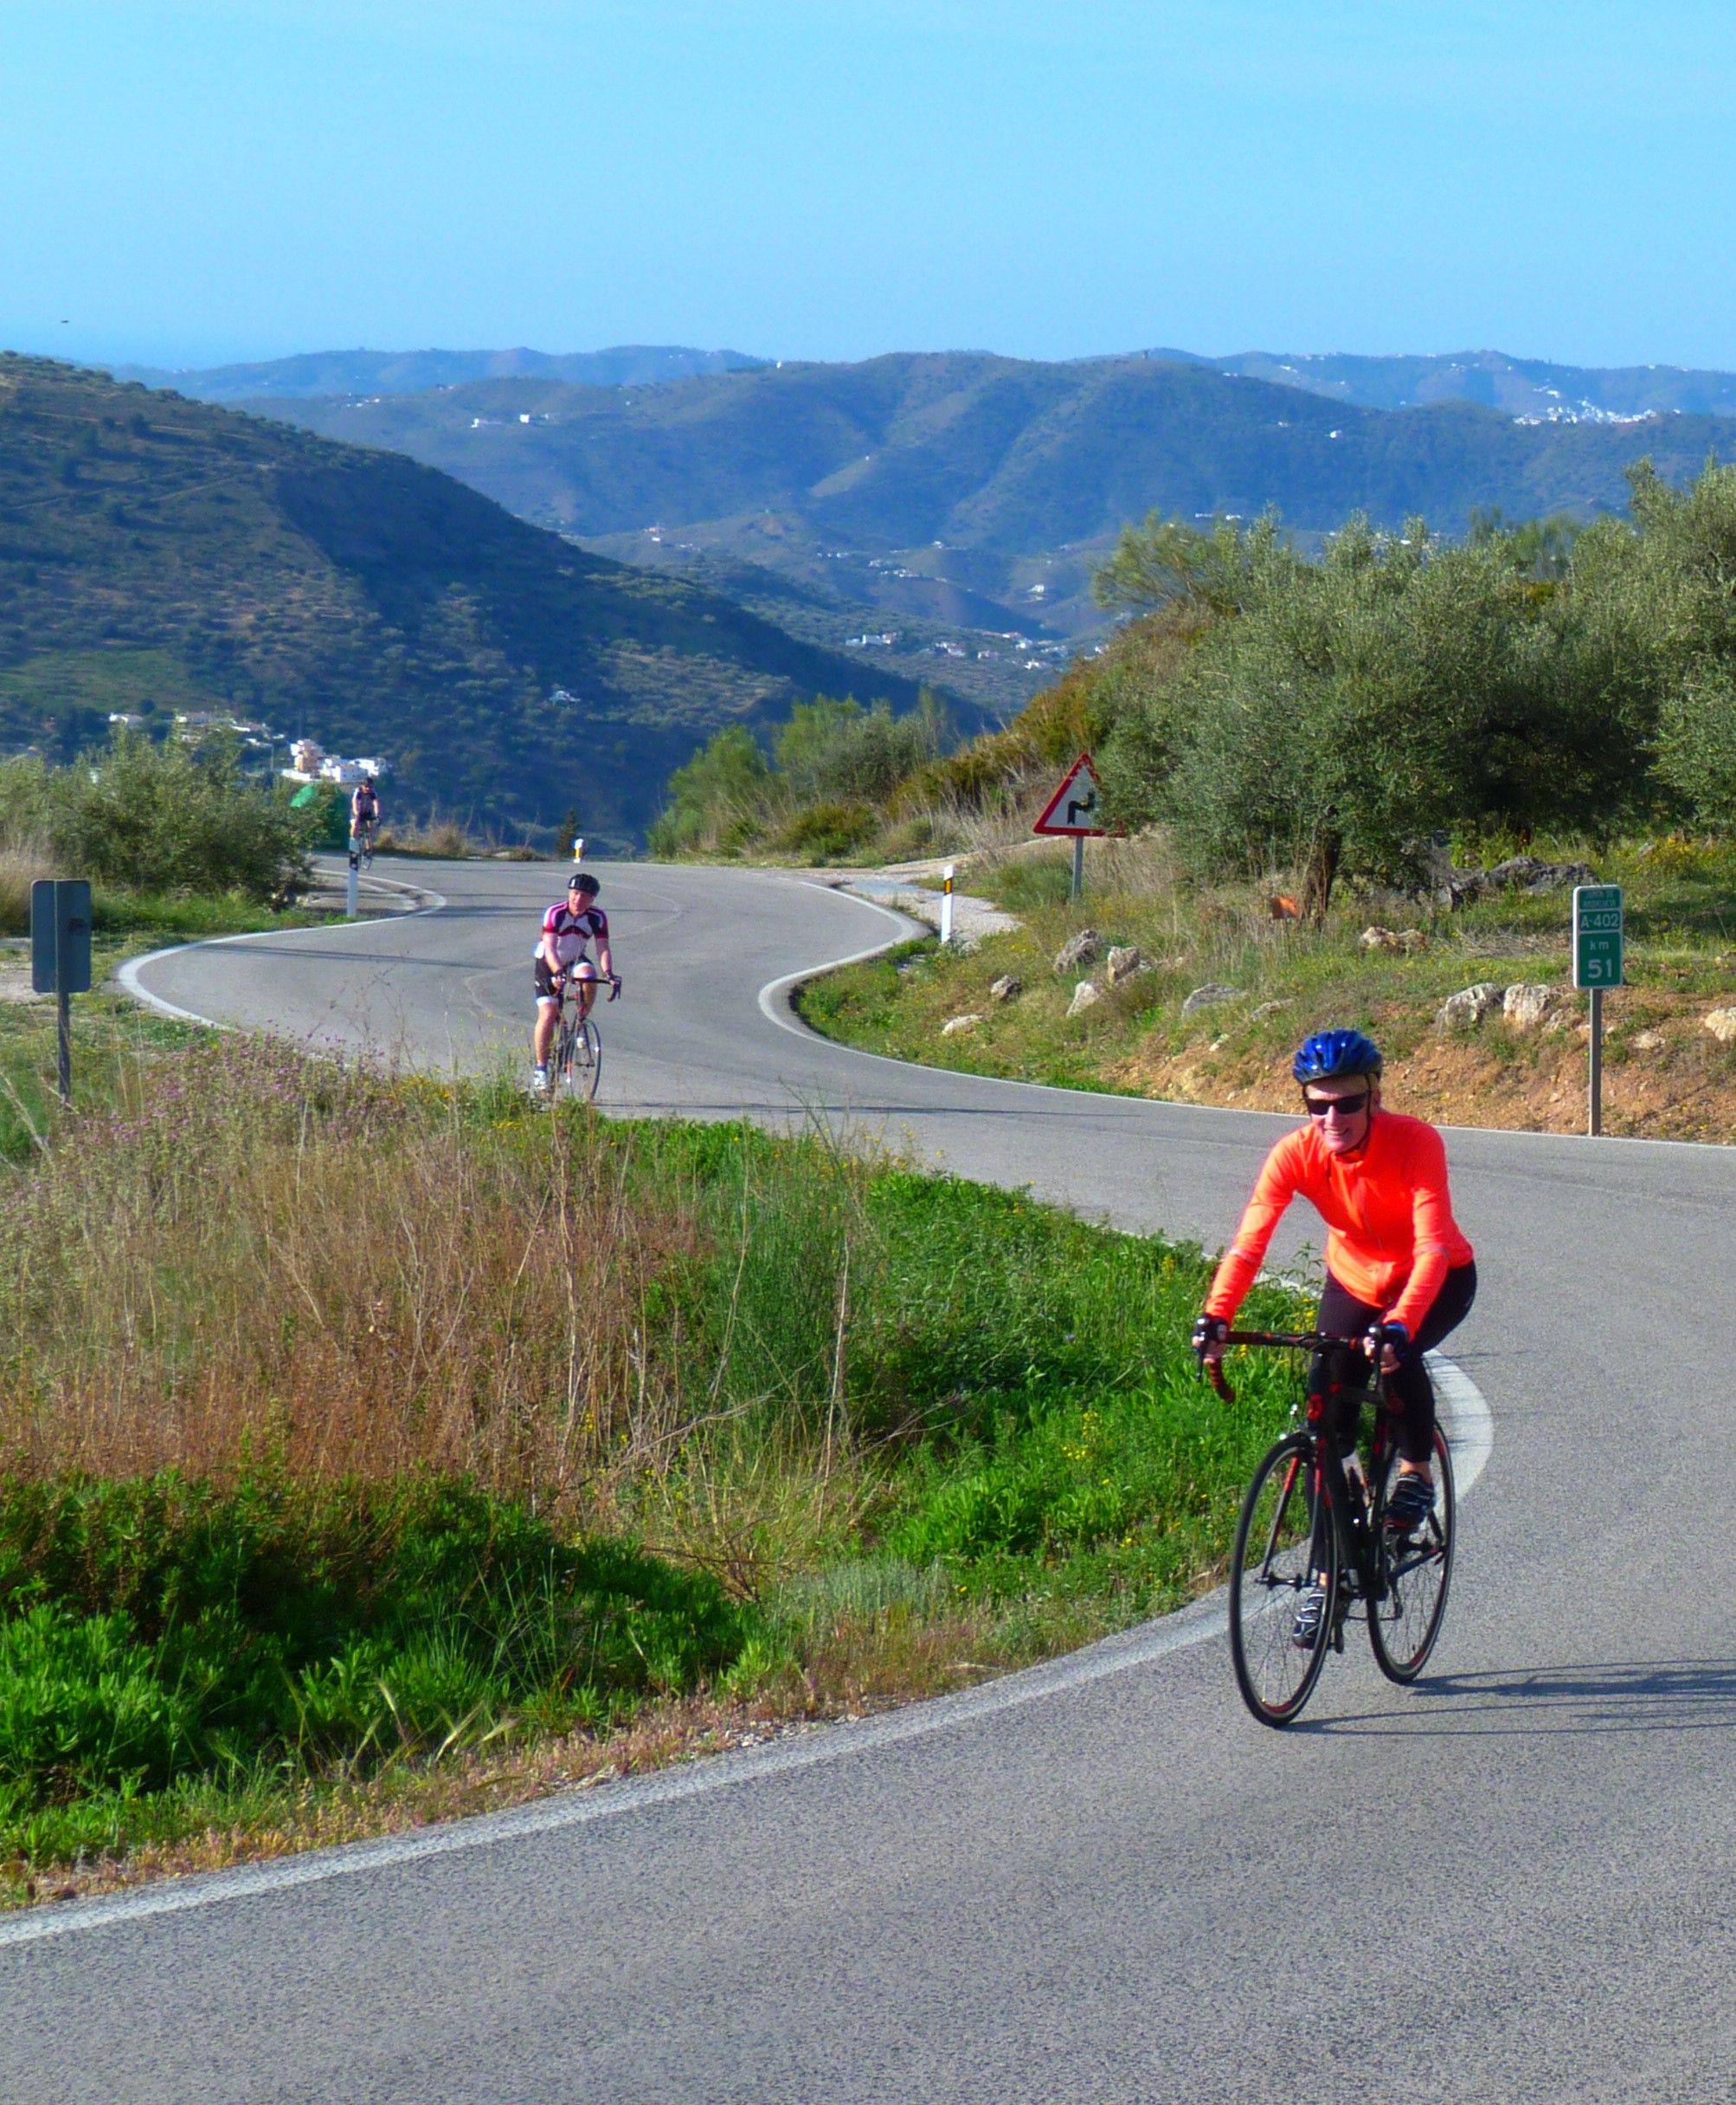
(1209, 1331)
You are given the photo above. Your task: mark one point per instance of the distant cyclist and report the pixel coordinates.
(365, 818)
(1399, 1273)
(570, 928)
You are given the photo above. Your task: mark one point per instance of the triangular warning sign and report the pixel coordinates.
(1075, 804)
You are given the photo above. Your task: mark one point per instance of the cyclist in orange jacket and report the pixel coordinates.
(1400, 1273)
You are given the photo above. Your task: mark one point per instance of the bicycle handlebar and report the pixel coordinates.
(1300, 1341)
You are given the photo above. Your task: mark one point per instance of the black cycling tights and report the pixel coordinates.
(1341, 1373)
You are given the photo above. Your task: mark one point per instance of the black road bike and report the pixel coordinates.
(1307, 1521)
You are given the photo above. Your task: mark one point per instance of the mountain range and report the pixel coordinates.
(158, 555)
(1540, 389)
(977, 491)
(405, 372)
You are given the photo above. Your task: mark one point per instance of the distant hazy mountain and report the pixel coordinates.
(906, 478)
(400, 372)
(1533, 390)
(158, 554)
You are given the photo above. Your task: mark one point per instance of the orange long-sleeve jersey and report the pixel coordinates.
(1391, 1235)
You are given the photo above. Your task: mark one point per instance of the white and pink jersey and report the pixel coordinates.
(569, 934)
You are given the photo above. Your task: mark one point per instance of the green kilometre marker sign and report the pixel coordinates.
(1596, 964)
(1597, 935)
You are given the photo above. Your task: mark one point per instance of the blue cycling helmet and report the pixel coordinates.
(1329, 1054)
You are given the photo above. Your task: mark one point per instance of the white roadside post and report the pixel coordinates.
(351, 880)
(947, 904)
(579, 849)
(1596, 964)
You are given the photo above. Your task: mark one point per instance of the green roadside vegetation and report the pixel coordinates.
(1316, 762)
(1666, 1074)
(170, 833)
(376, 1448)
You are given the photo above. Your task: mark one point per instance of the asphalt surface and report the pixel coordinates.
(1102, 1882)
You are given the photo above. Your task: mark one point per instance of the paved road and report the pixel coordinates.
(1101, 1881)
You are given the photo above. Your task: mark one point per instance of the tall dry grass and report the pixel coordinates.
(23, 862)
(263, 1259)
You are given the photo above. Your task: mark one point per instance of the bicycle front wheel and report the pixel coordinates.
(584, 1068)
(1285, 1546)
(1417, 1569)
(560, 1074)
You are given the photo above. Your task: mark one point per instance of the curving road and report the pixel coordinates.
(1100, 1881)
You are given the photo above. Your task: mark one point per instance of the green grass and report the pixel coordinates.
(109, 1031)
(159, 1635)
(356, 1428)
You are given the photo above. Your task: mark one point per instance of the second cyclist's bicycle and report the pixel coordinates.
(1309, 1520)
(578, 1064)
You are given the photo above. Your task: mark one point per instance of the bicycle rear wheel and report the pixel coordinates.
(1417, 1569)
(1285, 1544)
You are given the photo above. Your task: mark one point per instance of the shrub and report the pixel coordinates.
(161, 818)
(827, 830)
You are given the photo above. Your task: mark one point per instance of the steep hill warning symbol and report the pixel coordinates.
(1074, 806)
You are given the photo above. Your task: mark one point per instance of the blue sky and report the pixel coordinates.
(218, 179)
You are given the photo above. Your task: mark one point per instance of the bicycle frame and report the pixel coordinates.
(1347, 1506)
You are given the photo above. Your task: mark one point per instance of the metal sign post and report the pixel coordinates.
(1596, 964)
(1072, 809)
(59, 959)
(947, 905)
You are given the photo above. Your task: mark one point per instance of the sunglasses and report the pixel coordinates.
(1347, 1107)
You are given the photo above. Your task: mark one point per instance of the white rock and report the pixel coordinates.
(1124, 962)
(1085, 995)
(1469, 1006)
(1648, 1041)
(1722, 1022)
(1525, 1006)
(1380, 939)
(1411, 939)
(1209, 997)
(1269, 1008)
(954, 1024)
(1005, 988)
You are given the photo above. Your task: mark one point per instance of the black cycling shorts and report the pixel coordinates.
(547, 990)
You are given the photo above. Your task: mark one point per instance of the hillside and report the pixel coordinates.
(402, 372)
(907, 478)
(155, 550)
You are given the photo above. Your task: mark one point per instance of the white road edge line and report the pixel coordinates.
(1464, 1416)
(127, 977)
(775, 1003)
